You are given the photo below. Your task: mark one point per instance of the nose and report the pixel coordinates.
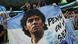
(34, 22)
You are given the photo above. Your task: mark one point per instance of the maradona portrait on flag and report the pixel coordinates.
(44, 25)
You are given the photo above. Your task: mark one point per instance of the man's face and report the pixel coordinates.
(34, 24)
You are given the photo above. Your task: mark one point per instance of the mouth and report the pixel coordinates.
(35, 29)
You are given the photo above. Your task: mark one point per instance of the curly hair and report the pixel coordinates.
(31, 13)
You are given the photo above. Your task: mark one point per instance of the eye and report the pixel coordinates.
(30, 20)
(37, 19)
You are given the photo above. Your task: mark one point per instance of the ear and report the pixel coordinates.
(25, 27)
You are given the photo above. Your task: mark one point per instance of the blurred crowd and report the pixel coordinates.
(73, 17)
(28, 6)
